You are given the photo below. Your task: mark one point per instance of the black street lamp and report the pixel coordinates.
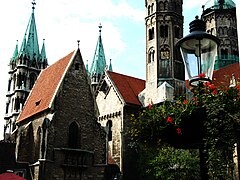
(199, 51)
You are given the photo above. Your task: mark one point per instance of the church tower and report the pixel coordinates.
(98, 63)
(221, 21)
(24, 68)
(164, 67)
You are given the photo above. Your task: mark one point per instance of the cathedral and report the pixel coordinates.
(68, 122)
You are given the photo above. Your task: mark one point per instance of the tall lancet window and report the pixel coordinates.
(74, 136)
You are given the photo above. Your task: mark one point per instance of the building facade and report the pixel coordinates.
(221, 21)
(57, 131)
(164, 27)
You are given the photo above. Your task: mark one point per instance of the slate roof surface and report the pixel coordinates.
(44, 89)
(129, 87)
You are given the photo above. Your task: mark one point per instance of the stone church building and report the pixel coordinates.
(69, 122)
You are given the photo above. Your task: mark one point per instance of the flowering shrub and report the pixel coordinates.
(212, 115)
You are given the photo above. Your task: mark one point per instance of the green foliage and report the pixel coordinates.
(158, 126)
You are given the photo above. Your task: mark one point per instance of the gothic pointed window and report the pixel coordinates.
(73, 136)
(149, 10)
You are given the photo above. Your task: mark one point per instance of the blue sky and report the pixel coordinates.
(61, 23)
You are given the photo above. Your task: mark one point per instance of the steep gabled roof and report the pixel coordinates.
(45, 88)
(129, 87)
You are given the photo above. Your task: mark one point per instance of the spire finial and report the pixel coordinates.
(78, 41)
(33, 4)
(100, 27)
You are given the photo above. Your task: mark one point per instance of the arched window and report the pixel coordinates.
(151, 53)
(109, 129)
(152, 8)
(166, 5)
(73, 136)
(77, 66)
(44, 134)
(30, 144)
(149, 10)
(151, 33)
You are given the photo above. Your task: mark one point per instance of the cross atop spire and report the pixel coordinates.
(33, 4)
(100, 28)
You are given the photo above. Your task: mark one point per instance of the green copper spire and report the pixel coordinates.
(99, 61)
(23, 46)
(15, 53)
(110, 66)
(30, 41)
(43, 52)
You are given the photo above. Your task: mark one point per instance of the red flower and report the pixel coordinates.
(185, 101)
(170, 120)
(214, 92)
(238, 88)
(212, 86)
(150, 106)
(179, 131)
(207, 84)
(201, 75)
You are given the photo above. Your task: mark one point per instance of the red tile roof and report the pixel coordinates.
(129, 87)
(223, 75)
(44, 89)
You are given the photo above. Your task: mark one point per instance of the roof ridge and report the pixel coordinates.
(126, 75)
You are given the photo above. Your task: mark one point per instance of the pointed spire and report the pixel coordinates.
(23, 46)
(30, 45)
(43, 52)
(15, 53)
(110, 66)
(99, 61)
(78, 41)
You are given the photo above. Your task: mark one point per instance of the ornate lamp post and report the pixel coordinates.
(199, 51)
